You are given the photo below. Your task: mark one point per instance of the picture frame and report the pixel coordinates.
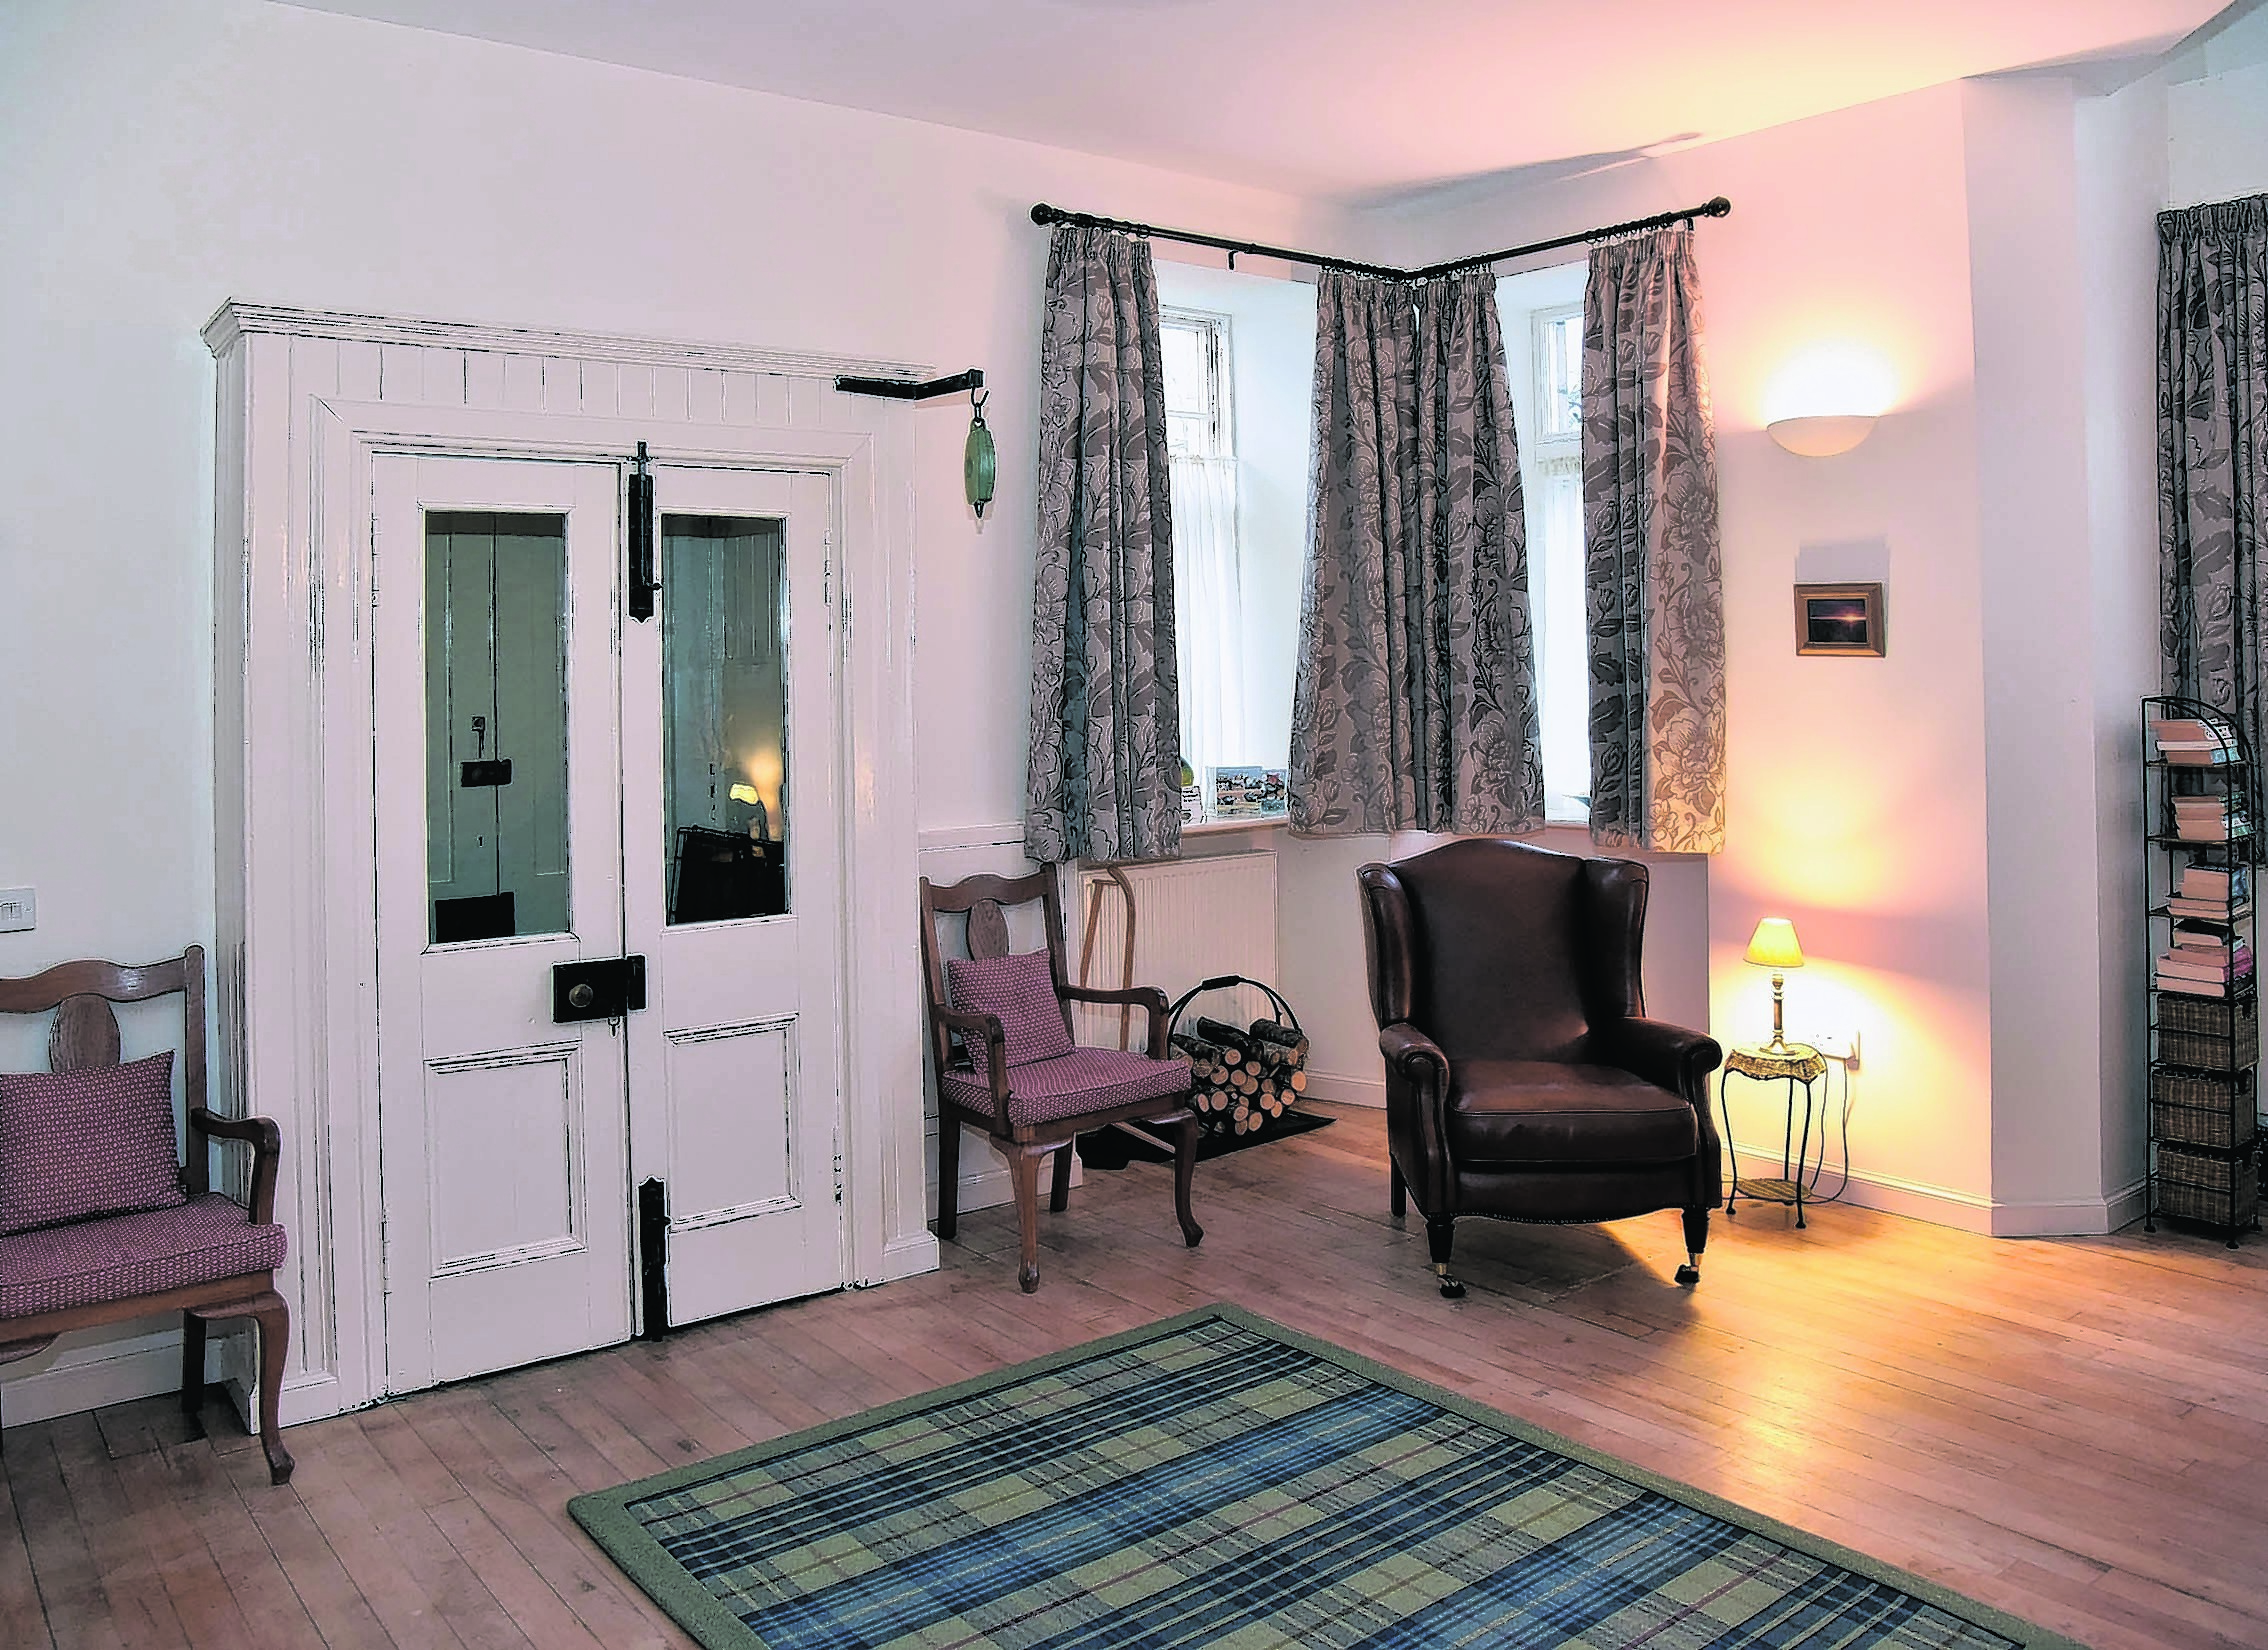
(1843, 620)
(1249, 793)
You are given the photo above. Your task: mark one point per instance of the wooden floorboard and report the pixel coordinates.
(2073, 1430)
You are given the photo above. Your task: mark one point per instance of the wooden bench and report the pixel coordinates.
(202, 1255)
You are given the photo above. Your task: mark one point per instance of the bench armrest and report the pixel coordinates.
(266, 1141)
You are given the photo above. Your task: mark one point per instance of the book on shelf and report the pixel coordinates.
(2193, 988)
(2206, 882)
(2210, 941)
(2174, 966)
(2206, 910)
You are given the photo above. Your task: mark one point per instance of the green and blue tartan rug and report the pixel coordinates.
(1216, 1479)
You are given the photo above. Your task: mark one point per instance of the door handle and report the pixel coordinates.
(605, 988)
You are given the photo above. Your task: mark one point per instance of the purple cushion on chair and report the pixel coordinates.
(81, 1143)
(1084, 1080)
(91, 1262)
(1020, 989)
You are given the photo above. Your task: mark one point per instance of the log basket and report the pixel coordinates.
(1245, 1077)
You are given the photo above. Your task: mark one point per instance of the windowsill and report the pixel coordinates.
(1218, 827)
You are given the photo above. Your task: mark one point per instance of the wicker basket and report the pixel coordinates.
(2195, 1031)
(2199, 1185)
(2203, 1109)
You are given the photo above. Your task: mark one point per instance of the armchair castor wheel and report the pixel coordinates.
(1689, 1274)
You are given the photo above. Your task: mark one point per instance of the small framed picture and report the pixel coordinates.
(1839, 618)
(1237, 793)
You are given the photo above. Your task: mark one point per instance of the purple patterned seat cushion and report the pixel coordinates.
(1020, 988)
(1084, 1080)
(81, 1143)
(94, 1262)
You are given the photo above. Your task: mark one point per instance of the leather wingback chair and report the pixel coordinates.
(1523, 1080)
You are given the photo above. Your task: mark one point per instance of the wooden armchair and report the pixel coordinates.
(91, 1229)
(1000, 1030)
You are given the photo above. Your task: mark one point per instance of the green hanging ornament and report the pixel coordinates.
(979, 462)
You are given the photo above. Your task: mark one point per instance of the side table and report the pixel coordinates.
(1799, 1065)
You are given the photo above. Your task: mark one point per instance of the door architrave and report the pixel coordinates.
(295, 889)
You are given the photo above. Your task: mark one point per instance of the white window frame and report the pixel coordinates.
(1530, 304)
(1218, 438)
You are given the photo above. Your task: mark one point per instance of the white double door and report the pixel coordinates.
(573, 804)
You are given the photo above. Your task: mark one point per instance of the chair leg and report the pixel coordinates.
(1439, 1234)
(948, 1174)
(1023, 1173)
(273, 1317)
(1397, 1190)
(1696, 1240)
(1184, 1175)
(193, 1371)
(1059, 1193)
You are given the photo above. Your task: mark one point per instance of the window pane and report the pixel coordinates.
(1555, 563)
(1559, 373)
(724, 715)
(495, 725)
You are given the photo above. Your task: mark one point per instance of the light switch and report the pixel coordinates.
(19, 909)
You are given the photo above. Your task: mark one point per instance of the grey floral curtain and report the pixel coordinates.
(1415, 704)
(1105, 768)
(1653, 599)
(2213, 451)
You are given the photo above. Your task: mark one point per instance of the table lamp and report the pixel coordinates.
(1774, 946)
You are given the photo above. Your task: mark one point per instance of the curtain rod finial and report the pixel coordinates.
(1044, 213)
(1717, 207)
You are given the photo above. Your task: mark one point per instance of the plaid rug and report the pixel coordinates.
(1218, 1480)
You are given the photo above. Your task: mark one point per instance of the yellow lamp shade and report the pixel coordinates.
(1773, 945)
(745, 793)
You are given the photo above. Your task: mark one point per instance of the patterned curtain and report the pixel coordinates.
(1104, 779)
(1415, 707)
(2213, 451)
(1653, 600)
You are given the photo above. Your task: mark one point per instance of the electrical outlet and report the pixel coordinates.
(19, 909)
(1841, 1046)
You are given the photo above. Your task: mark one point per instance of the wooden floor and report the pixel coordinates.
(2076, 1431)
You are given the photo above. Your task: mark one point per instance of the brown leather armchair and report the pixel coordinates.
(1523, 1081)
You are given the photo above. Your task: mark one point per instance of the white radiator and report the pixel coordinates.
(1193, 919)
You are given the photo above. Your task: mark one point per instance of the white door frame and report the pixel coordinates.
(294, 777)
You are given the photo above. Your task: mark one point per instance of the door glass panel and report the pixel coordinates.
(495, 725)
(724, 716)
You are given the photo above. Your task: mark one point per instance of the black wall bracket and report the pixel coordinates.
(901, 389)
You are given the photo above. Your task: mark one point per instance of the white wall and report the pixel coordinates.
(2123, 154)
(161, 159)
(1856, 793)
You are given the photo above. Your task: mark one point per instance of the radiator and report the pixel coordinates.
(1192, 919)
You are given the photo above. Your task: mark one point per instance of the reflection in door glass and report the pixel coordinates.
(495, 724)
(724, 716)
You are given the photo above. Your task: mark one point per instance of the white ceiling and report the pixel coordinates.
(1326, 97)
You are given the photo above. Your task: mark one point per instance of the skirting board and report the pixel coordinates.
(108, 1371)
(1347, 1091)
(1966, 1211)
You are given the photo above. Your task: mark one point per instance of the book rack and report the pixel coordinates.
(2200, 853)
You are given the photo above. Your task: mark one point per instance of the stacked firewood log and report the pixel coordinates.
(1244, 1079)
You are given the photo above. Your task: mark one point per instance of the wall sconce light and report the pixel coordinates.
(1774, 946)
(1821, 435)
(1825, 398)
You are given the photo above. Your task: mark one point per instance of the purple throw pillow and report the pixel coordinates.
(81, 1143)
(1020, 989)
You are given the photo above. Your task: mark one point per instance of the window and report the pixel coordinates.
(1196, 378)
(1208, 571)
(1543, 338)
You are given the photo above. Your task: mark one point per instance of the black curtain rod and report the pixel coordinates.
(1044, 214)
